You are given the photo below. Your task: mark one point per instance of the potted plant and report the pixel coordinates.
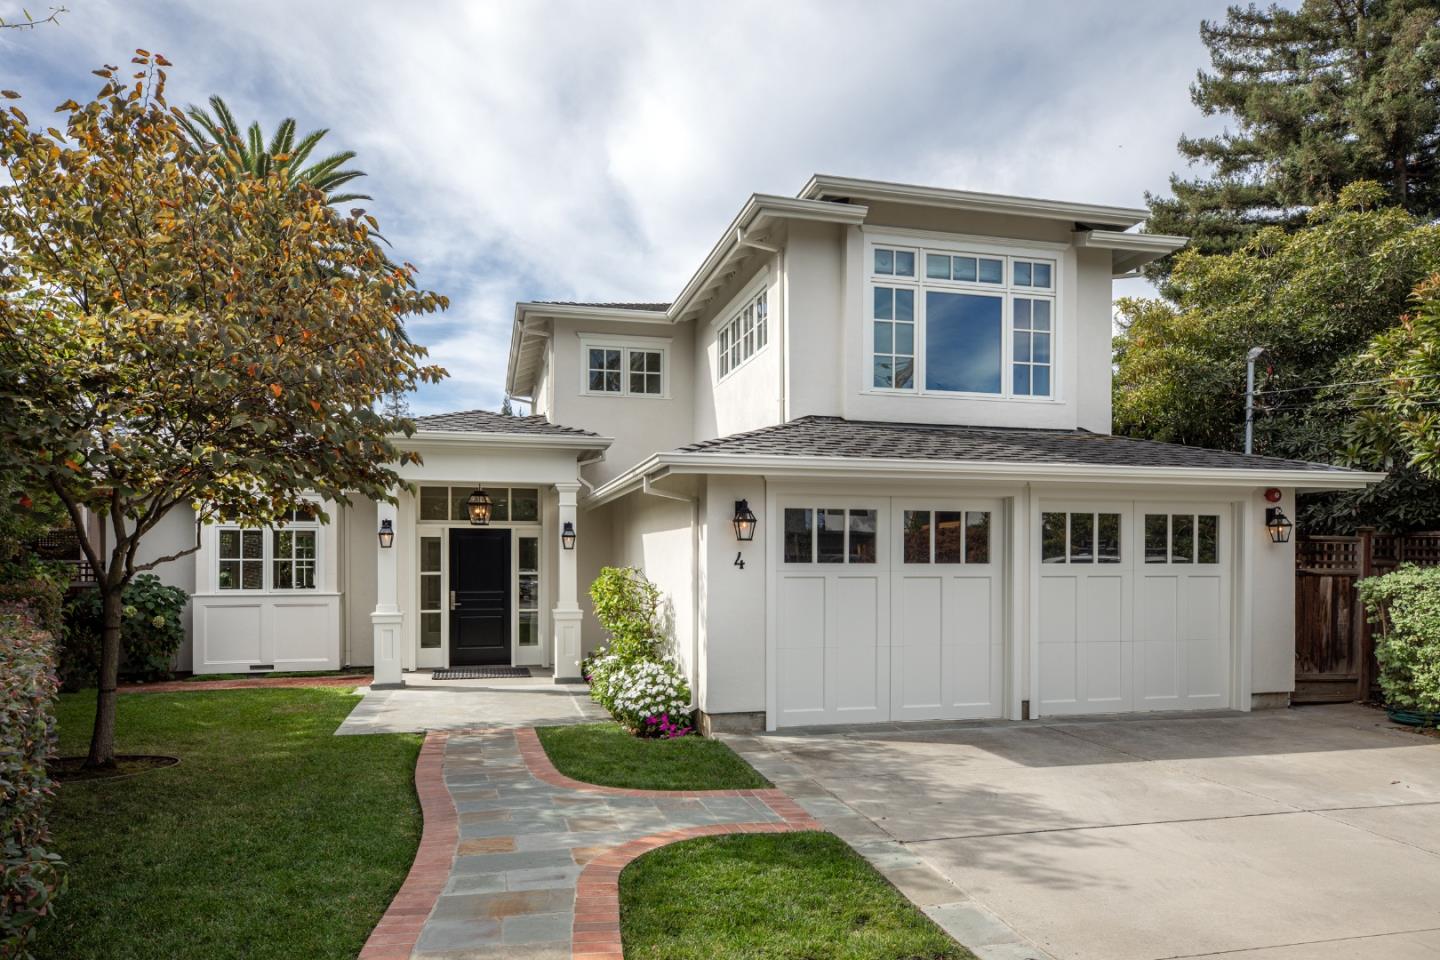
(1404, 607)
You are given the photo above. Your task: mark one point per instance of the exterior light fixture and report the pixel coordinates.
(744, 521)
(567, 536)
(478, 506)
(387, 534)
(1278, 525)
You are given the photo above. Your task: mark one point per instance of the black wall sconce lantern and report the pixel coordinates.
(1278, 525)
(478, 506)
(744, 521)
(567, 536)
(387, 534)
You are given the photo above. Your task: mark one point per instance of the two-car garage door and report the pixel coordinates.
(894, 609)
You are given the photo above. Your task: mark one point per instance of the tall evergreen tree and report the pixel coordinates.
(1321, 96)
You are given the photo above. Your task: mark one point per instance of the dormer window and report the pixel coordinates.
(977, 323)
(624, 366)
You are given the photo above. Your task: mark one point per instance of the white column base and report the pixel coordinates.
(567, 645)
(388, 666)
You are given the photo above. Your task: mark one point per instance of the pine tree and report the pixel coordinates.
(1334, 92)
(506, 410)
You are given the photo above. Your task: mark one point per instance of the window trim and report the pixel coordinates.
(925, 242)
(734, 313)
(626, 345)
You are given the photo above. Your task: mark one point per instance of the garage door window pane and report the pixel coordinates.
(977, 536)
(830, 536)
(1052, 538)
(1209, 537)
(862, 536)
(1107, 548)
(1157, 537)
(948, 531)
(1082, 538)
(799, 536)
(917, 536)
(1182, 539)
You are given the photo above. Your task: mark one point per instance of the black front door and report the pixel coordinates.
(479, 597)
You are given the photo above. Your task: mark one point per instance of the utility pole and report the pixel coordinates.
(1250, 359)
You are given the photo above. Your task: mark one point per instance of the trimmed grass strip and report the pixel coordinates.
(605, 755)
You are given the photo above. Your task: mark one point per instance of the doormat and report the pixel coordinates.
(479, 673)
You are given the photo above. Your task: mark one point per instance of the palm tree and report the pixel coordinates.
(283, 154)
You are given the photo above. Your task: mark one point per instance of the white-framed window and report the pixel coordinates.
(1081, 537)
(946, 536)
(507, 504)
(1182, 538)
(269, 559)
(831, 535)
(527, 593)
(745, 334)
(624, 366)
(964, 322)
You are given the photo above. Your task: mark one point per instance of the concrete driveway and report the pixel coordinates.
(1308, 834)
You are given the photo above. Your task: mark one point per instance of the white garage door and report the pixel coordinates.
(1133, 608)
(887, 610)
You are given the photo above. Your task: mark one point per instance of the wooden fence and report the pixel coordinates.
(1334, 651)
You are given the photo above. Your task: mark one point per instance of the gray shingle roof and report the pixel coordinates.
(486, 421)
(837, 437)
(657, 307)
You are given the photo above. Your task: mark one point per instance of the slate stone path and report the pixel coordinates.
(519, 861)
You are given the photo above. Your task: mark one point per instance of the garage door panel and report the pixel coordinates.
(800, 647)
(1206, 655)
(919, 628)
(1058, 678)
(1157, 661)
(972, 668)
(858, 675)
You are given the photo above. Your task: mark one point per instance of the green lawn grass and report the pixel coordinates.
(272, 838)
(604, 754)
(770, 896)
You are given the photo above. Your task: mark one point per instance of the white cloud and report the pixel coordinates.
(522, 150)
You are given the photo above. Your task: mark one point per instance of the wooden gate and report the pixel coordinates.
(1334, 652)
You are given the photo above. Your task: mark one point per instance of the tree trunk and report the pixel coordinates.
(102, 740)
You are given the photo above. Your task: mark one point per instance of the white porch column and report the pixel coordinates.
(387, 618)
(566, 615)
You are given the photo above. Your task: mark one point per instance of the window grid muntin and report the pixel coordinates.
(744, 335)
(247, 559)
(1097, 538)
(1003, 285)
(506, 503)
(1182, 539)
(967, 548)
(839, 552)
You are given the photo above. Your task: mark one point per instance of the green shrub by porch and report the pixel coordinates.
(1405, 608)
(628, 606)
(30, 874)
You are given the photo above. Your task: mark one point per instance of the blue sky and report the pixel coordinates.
(595, 150)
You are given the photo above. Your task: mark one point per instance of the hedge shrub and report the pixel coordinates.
(628, 607)
(151, 631)
(1405, 607)
(31, 876)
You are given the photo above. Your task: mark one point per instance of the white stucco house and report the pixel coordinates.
(909, 389)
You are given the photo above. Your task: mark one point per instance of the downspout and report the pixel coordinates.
(694, 578)
(741, 239)
(579, 471)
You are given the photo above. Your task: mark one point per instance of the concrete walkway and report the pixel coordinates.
(1305, 834)
(424, 704)
(521, 862)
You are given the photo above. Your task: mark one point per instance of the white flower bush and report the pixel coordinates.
(650, 697)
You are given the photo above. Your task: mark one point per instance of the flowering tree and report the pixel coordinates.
(175, 336)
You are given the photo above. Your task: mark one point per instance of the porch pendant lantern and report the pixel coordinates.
(744, 521)
(567, 536)
(478, 506)
(387, 534)
(1278, 525)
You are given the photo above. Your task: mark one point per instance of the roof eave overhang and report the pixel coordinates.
(821, 186)
(1129, 251)
(868, 468)
(513, 440)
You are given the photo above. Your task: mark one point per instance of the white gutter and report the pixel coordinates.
(823, 185)
(895, 468)
(579, 472)
(461, 437)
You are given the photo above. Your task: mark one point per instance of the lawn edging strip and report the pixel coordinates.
(244, 683)
(394, 937)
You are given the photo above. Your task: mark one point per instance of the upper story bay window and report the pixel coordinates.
(624, 366)
(957, 321)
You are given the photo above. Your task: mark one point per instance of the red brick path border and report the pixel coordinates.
(395, 936)
(596, 931)
(246, 683)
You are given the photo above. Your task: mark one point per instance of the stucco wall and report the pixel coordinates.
(751, 396)
(732, 600)
(358, 544)
(174, 533)
(640, 425)
(1272, 593)
(656, 535)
